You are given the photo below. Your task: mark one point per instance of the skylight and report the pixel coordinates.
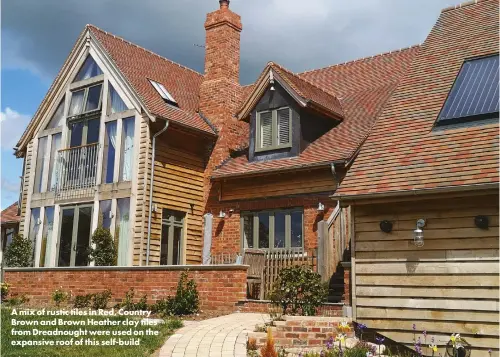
(163, 92)
(474, 94)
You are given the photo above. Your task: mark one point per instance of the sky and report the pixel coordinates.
(37, 36)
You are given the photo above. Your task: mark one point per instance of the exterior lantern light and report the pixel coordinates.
(321, 207)
(418, 233)
(222, 214)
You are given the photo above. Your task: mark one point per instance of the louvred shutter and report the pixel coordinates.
(266, 132)
(284, 126)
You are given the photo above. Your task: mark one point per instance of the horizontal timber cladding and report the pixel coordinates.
(450, 285)
(290, 183)
(178, 186)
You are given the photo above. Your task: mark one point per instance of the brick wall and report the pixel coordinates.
(226, 232)
(219, 288)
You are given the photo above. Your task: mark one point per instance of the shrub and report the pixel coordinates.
(128, 302)
(82, 301)
(268, 350)
(299, 290)
(185, 302)
(17, 300)
(103, 250)
(5, 290)
(100, 300)
(19, 253)
(59, 296)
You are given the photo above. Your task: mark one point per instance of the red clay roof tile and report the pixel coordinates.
(9, 215)
(404, 150)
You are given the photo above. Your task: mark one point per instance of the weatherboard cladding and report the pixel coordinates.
(405, 151)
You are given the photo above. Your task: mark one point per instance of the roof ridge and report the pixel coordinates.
(458, 6)
(305, 80)
(364, 58)
(142, 48)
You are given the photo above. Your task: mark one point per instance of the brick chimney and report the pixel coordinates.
(220, 87)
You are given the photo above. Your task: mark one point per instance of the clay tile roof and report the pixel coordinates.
(362, 88)
(309, 91)
(138, 65)
(404, 150)
(9, 215)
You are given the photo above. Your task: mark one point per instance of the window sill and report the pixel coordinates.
(273, 148)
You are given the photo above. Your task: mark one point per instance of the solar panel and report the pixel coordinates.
(474, 94)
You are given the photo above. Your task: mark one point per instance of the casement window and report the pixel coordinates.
(163, 92)
(85, 100)
(172, 229)
(275, 229)
(474, 95)
(274, 129)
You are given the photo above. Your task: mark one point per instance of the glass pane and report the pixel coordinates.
(56, 145)
(34, 227)
(48, 224)
(76, 105)
(68, 217)
(40, 164)
(83, 236)
(93, 131)
(9, 235)
(127, 156)
(109, 152)
(105, 214)
(248, 231)
(279, 230)
(264, 230)
(176, 253)
(93, 98)
(165, 229)
(58, 117)
(76, 134)
(89, 69)
(296, 229)
(116, 103)
(123, 212)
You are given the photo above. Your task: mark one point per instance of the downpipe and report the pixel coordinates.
(151, 181)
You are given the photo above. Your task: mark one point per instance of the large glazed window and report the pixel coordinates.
(109, 152)
(105, 216)
(34, 228)
(277, 229)
(116, 103)
(88, 70)
(48, 224)
(40, 164)
(57, 119)
(127, 157)
(274, 129)
(171, 237)
(122, 234)
(54, 148)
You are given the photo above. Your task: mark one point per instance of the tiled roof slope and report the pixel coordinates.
(9, 215)
(138, 65)
(403, 152)
(362, 87)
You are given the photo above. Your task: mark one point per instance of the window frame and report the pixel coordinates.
(172, 223)
(274, 130)
(272, 213)
(84, 111)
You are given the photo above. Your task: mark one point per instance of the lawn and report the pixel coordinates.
(147, 344)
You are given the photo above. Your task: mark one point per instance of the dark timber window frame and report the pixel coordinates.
(275, 140)
(254, 215)
(176, 219)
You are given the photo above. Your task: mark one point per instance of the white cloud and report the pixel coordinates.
(12, 125)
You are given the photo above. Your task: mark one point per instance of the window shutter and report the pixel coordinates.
(284, 126)
(266, 132)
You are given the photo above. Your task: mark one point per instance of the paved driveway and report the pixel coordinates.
(223, 336)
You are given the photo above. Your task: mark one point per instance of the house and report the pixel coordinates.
(181, 165)
(424, 195)
(9, 218)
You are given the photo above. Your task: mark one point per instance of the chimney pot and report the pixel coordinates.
(224, 4)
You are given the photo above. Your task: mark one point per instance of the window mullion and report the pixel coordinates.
(288, 230)
(84, 104)
(255, 230)
(271, 230)
(274, 128)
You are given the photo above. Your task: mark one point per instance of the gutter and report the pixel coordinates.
(151, 181)
(424, 191)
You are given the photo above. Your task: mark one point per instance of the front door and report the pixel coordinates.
(172, 229)
(74, 235)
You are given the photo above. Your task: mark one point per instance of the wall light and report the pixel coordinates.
(481, 222)
(418, 233)
(222, 214)
(386, 226)
(321, 207)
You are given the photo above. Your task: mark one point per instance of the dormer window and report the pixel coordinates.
(274, 129)
(85, 100)
(163, 92)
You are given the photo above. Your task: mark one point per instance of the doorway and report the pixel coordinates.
(172, 231)
(74, 235)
